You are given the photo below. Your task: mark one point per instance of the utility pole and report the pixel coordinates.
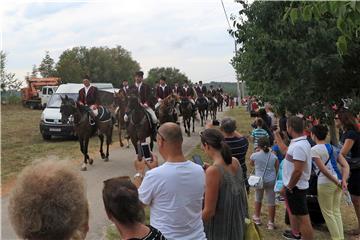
(239, 93)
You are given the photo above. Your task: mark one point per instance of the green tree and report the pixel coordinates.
(294, 65)
(34, 71)
(102, 64)
(172, 75)
(346, 13)
(47, 66)
(7, 79)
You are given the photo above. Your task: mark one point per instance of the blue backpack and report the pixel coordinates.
(334, 152)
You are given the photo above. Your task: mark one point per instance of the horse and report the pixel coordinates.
(84, 129)
(139, 123)
(188, 113)
(212, 108)
(220, 100)
(121, 102)
(167, 112)
(202, 106)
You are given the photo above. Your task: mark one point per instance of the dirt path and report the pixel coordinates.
(120, 164)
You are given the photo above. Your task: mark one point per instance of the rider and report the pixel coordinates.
(88, 96)
(189, 93)
(212, 93)
(162, 91)
(144, 92)
(201, 90)
(176, 89)
(125, 86)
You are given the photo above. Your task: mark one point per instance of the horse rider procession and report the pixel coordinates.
(140, 110)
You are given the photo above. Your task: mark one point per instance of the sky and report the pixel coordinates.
(190, 35)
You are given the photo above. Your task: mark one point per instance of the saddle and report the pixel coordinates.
(101, 113)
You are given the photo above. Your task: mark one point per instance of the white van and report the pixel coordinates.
(50, 121)
(46, 93)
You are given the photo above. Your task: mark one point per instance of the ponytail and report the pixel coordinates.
(226, 153)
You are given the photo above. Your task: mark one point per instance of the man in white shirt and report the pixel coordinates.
(296, 175)
(174, 191)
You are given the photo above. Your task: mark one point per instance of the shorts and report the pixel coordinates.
(268, 188)
(296, 201)
(353, 182)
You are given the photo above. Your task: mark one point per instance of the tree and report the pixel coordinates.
(46, 67)
(172, 75)
(346, 13)
(102, 64)
(8, 80)
(294, 65)
(34, 71)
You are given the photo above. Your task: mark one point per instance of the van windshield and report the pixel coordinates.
(55, 100)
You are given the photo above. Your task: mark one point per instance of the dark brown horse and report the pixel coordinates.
(220, 102)
(139, 124)
(202, 106)
(188, 114)
(167, 112)
(121, 102)
(84, 129)
(212, 108)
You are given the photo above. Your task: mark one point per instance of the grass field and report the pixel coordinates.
(22, 143)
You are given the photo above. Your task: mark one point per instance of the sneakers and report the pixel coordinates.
(289, 235)
(270, 226)
(256, 220)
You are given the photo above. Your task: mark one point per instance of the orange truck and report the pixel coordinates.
(38, 89)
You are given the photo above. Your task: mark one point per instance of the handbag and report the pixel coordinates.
(251, 230)
(257, 181)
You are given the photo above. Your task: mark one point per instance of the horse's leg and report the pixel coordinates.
(82, 149)
(189, 126)
(87, 138)
(193, 123)
(184, 121)
(101, 137)
(108, 141)
(120, 140)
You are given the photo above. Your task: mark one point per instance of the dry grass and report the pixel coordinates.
(22, 143)
(243, 124)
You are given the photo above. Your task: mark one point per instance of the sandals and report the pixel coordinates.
(256, 220)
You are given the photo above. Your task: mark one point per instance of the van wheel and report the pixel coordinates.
(46, 137)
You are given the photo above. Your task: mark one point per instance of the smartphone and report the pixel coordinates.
(197, 159)
(145, 149)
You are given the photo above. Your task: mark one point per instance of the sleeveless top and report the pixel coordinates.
(231, 209)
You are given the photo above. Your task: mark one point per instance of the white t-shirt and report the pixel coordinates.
(299, 150)
(320, 151)
(174, 192)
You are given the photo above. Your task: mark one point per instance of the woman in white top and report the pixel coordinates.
(329, 186)
(266, 166)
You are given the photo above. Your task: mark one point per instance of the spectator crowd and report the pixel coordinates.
(290, 158)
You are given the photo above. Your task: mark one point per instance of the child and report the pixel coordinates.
(258, 132)
(266, 166)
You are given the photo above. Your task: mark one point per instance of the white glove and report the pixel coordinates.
(126, 118)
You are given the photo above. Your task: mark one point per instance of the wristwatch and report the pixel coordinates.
(138, 175)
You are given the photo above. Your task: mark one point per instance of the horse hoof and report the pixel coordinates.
(128, 146)
(121, 145)
(188, 134)
(106, 159)
(91, 161)
(83, 167)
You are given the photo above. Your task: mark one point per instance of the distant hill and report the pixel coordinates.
(229, 87)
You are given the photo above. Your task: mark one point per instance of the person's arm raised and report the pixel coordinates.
(211, 192)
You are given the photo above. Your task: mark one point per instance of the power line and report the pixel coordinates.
(226, 16)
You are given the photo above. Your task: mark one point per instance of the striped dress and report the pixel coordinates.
(228, 222)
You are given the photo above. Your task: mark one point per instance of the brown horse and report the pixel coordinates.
(139, 124)
(188, 113)
(121, 102)
(84, 129)
(167, 112)
(212, 108)
(220, 100)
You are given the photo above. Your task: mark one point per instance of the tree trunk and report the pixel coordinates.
(333, 137)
